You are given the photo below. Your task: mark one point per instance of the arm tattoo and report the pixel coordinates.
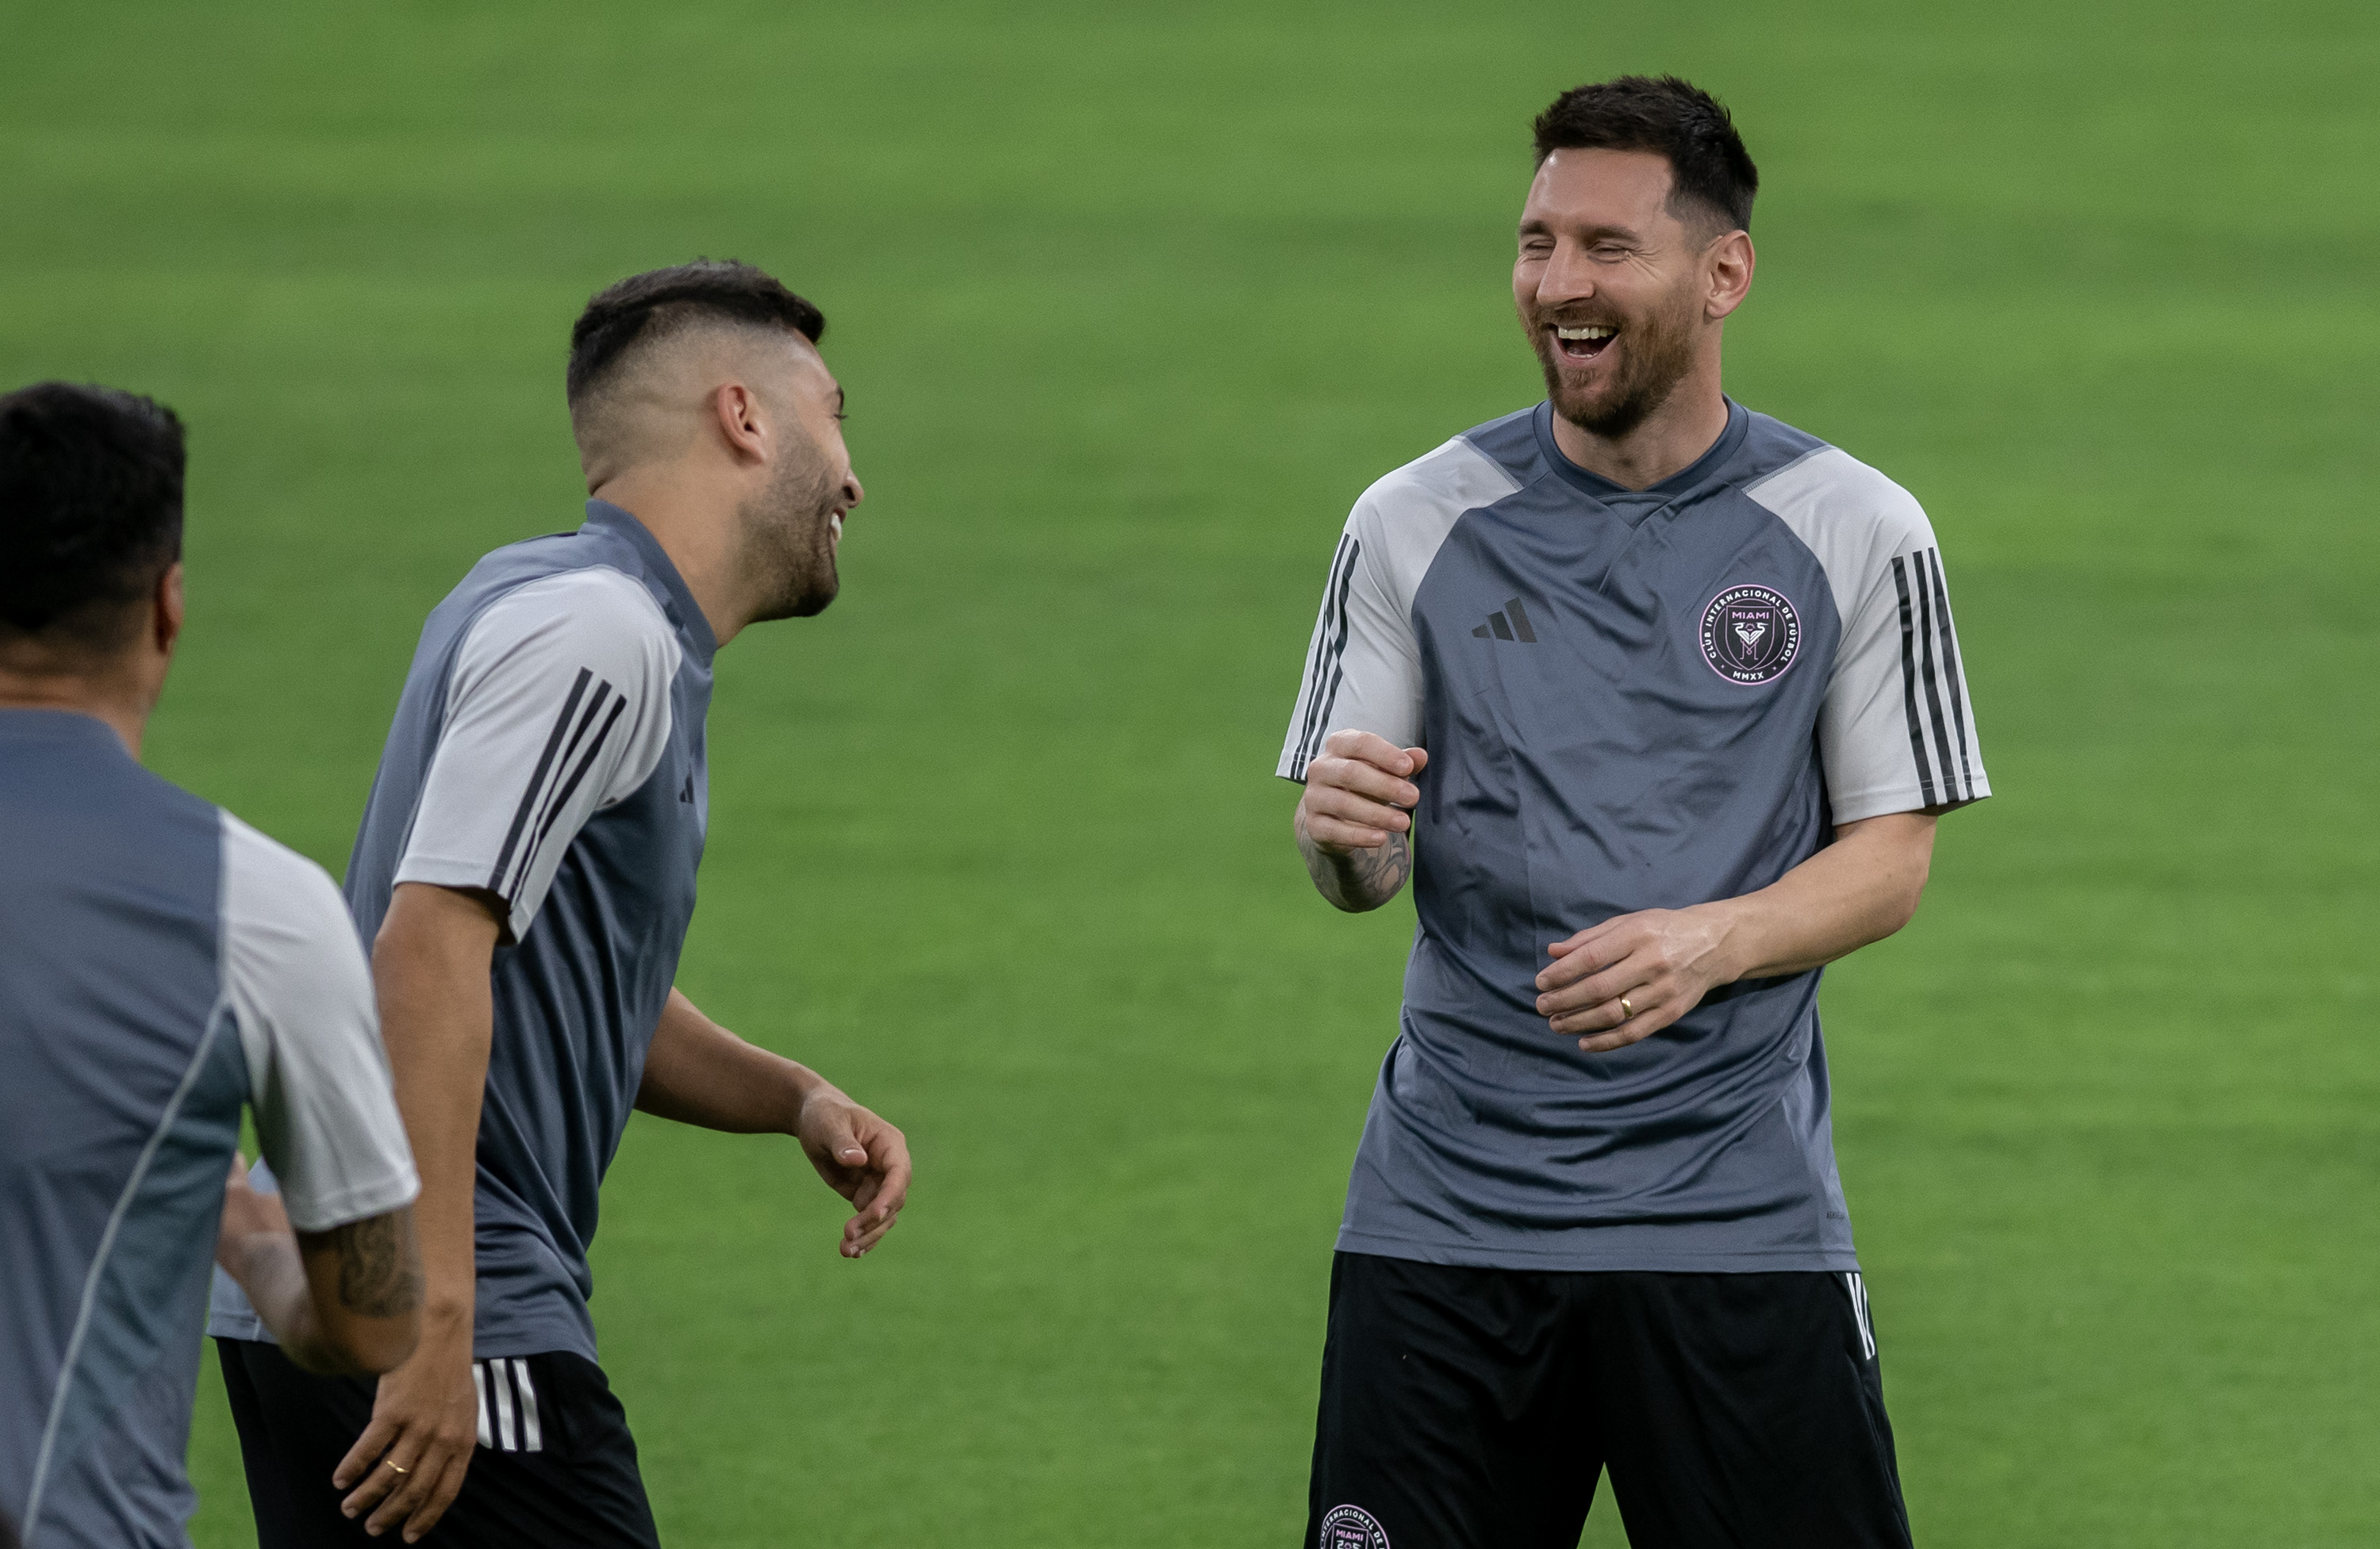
(378, 1275)
(1360, 879)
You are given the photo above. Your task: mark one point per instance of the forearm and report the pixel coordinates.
(698, 1073)
(430, 967)
(1356, 879)
(1857, 890)
(268, 1269)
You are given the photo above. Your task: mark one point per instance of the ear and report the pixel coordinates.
(1730, 261)
(165, 610)
(741, 421)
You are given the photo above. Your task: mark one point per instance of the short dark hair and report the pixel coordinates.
(1710, 172)
(90, 511)
(664, 300)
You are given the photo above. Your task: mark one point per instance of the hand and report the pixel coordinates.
(1358, 793)
(861, 1157)
(1662, 961)
(425, 1421)
(251, 1220)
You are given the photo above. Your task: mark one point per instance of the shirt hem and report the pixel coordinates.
(1473, 1255)
(352, 1205)
(1857, 810)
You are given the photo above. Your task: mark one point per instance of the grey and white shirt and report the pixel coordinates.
(162, 966)
(1632, 699)
(549, 749)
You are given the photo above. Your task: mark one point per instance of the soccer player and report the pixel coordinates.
(1656, 700)
(162, 966)
(525, 868)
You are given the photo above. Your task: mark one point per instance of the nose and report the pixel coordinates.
(1567, 276)
(852, 493)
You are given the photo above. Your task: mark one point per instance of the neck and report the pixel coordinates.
(1669, 439)
(117, 705)
(696, 527)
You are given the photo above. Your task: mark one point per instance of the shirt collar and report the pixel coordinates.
(684, 612)
(1739, 424)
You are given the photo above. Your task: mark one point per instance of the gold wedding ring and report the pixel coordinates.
(393, 1464)
(1626, 1011)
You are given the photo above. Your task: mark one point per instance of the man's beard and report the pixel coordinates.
(788, 539)
(1659, 352)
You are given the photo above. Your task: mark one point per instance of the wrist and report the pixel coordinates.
(1723, 961)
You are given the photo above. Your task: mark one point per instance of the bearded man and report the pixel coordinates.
(526, 871)
(1656, 701)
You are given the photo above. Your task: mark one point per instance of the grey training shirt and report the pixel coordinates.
(1632, 699)
(162, 964)
(549, 748)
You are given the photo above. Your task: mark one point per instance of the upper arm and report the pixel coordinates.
(1897, 731)
(558, 706)
(1363, 664)
(301, 996)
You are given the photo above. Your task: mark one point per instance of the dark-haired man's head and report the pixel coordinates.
(91, 547)
(701, 388)
(1634, 246)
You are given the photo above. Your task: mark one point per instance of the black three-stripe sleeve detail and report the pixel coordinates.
(554, 793)
(1908, 680)
(1933, 678)
(1323, 686)
(1954, 683)
(537, 781)
(561, 797)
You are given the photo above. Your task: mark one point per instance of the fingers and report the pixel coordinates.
(881, 1197)
(449, 1485)
(1342, 820)
(1376, 751)
(367, 1452)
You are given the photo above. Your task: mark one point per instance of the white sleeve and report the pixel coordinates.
(1897, 731)
(301, 996)
(558, 706)
(1363, 665)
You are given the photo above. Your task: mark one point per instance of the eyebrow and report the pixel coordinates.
(1539, 224)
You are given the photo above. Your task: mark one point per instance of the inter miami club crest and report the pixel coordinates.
(1751, 634)
(1351, 1527)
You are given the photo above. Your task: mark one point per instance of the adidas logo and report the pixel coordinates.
(1504, 629)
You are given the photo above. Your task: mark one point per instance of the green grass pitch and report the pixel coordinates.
(1132, 302)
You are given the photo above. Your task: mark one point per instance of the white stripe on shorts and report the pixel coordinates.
(480, 1382)
(1852, 1283)
(504, 1408)
(532, 1438)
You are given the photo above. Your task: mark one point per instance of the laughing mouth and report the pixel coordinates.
(1585, 342)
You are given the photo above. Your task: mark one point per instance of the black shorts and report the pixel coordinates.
(1473, 1409)
(555, 1464)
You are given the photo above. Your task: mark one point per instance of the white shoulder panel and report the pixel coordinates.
(1406, 516)
(1853, 517)
(1363, 664)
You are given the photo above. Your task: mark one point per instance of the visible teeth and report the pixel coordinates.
(1592, 330)
(834, 524)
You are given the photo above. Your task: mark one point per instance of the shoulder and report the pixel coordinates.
(591, 616)
(1424, 497)
(1834, 503)
(277, 901)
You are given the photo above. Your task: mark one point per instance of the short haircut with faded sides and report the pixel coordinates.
(645, 309)
(1711, 174)
(91, 512)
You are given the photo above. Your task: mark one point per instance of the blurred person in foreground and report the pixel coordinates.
(1656, 700)
(162, 965)
(525, 869)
